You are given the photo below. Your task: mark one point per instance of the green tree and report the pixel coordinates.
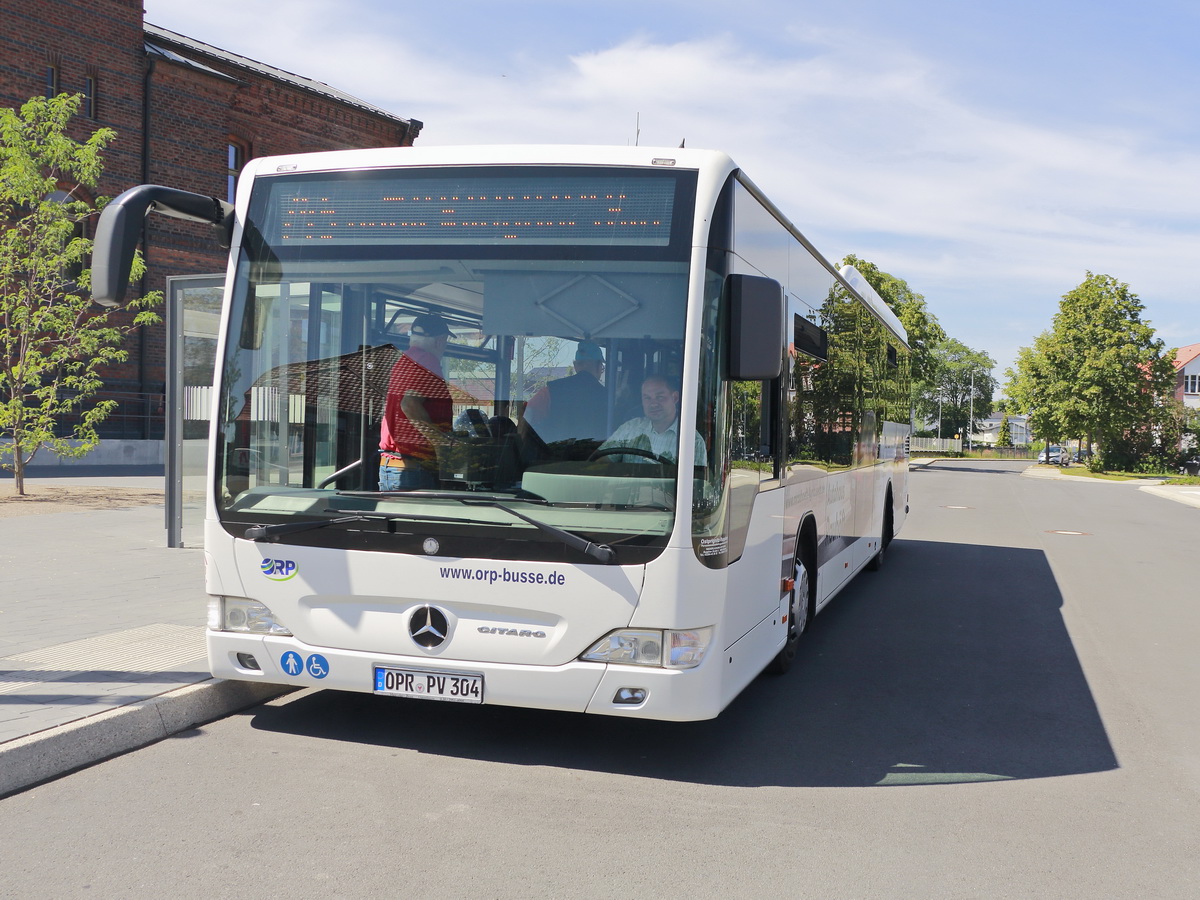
(924, 331)
(960, 390)
(1004, 436)
(1180, 436)
(1099, 374)
(53, 342)
(1189, 431)
(1034, 384)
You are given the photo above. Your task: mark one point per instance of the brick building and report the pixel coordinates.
(187, 115)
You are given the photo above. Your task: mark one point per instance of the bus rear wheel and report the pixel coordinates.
(876, 562)
(799, 615)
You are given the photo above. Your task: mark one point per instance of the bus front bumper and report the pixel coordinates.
(606, 689)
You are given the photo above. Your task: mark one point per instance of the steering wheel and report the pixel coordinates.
(631, 451)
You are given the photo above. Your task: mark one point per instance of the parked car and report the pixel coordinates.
(1051, 455)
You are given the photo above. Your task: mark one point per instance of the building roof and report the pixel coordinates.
(172, 56)
(156, 37)
(1185, 355)
(997, 418)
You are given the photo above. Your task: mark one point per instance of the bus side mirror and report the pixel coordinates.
(756, 327)
(120, 228)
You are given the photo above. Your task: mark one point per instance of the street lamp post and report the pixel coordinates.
(971, 413)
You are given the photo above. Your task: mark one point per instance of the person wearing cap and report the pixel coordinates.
(575, 406)
(418, 410)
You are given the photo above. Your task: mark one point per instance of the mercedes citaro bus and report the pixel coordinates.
(744, 454)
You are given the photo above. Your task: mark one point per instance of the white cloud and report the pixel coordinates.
(867, 145)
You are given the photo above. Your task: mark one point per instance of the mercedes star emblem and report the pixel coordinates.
(428, 626)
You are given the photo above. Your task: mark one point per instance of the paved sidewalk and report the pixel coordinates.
(101, 637)
(1180, 493)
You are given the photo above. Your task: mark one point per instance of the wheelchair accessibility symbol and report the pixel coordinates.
(317, 666)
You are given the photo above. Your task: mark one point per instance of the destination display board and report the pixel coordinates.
(471, 206)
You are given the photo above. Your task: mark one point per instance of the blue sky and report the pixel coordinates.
(989, 153)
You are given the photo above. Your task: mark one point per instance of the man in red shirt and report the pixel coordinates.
(416, 418)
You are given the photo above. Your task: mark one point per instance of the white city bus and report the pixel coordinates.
(579, 571)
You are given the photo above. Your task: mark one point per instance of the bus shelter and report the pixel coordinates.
(193, 317)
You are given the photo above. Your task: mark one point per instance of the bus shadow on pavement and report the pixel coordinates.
(951, 665)
(1016, 467)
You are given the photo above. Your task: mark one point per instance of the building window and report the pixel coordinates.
(51, 81)
(1191, 384)
(74, 270)
(89, 97)
(235, 159)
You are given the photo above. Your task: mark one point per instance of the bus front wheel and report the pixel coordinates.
(799, 616)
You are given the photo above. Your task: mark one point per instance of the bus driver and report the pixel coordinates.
(658, 430)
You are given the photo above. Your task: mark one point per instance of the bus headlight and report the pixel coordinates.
(243, 616)
(636, 647)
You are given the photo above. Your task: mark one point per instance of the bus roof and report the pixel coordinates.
(492, 154)
(871, 297)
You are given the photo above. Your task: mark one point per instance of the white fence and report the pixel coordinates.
(935, 445)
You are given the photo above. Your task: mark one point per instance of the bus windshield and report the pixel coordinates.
(404, 341)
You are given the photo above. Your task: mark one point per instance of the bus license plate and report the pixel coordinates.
(426, 685)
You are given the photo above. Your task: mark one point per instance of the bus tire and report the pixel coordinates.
(799, 617)
(877, 560)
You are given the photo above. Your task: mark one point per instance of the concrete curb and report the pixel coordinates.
(1052, 473)
(48, 754)
(1035, 471)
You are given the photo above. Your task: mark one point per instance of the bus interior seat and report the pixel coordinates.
(508, 450)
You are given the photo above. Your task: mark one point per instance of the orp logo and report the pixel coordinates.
(279, 569)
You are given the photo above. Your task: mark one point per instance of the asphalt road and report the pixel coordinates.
(1004, 711)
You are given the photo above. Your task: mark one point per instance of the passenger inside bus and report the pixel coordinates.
(418, 410)
(572, 407)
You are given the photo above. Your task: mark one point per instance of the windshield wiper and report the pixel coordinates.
(266, 532)
(599, 552)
